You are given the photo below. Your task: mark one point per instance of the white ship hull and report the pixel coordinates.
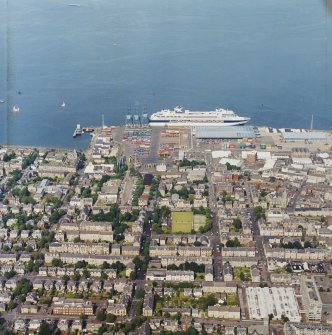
(186, 118)
(196, 124)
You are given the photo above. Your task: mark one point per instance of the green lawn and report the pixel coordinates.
(182, 222)
(199, 275)
(199, 221)
(231, 300)
(246, 273)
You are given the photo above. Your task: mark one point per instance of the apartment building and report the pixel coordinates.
(311, 299)
(224, 312)
(64, 306)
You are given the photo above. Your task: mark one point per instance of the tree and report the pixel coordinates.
(23, 287)
(86, 274)
(118, 266)
(105, 266)
(65, 278)
(45, 328)
(139, 293)
(76, 276)
(237, 224)
(192, 331)
(178, 316)
(10, 305)
(81, 161)
(9, 156)
(110, 318)
(27, 161)
(56, 215)
(81, 264)
(103, 276)
(233, 243)
(56, 202)
(271, 316)
(132, 275)
(101, 316)
(284, 318)
(103, 329)
(186, 162)
(207, 301)
(57, 262)
(29, 266)
(242, 276)
(10, 274)
(259, 213)
(307, 244)
(156, 228)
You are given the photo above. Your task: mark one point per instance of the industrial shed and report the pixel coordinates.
(232, 132)
(303, 136)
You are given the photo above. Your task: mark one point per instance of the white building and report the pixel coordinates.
(311, 298)
(274, 300)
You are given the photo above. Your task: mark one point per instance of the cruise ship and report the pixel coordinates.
(179, 117)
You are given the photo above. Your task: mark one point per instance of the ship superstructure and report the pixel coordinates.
(185, 118)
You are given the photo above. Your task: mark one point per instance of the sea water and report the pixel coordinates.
(270, 60)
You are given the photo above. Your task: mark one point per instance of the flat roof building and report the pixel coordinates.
(311, 298)
(272, 300)
(303, 136)
(206, 132)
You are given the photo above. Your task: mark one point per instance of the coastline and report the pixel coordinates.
(97, 130)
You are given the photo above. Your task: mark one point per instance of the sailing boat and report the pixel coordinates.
(63, 104)
(16, 109)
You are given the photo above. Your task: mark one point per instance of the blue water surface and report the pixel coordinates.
(267, 59)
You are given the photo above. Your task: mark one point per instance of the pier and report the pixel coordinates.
(78, 130)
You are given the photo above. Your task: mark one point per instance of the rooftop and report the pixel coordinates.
(225, 132)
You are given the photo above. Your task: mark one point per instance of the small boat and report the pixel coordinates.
(2, 101)
(16, 109)
(74, 5)
(63, 104)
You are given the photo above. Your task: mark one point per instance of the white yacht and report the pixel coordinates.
(179, 117)
(16, 109)
(63, 104)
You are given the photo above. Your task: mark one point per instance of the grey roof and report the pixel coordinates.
(227, 269)
(301, 136)
(225, 132)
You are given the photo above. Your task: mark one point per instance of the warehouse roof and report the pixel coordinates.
(272, 300)
(302, 136)
(225, 132)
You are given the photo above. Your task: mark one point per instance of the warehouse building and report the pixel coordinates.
(303, 136)
(272, 300)
(232, 132)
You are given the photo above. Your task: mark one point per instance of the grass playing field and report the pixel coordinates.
(182, 222)
(199, 221)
